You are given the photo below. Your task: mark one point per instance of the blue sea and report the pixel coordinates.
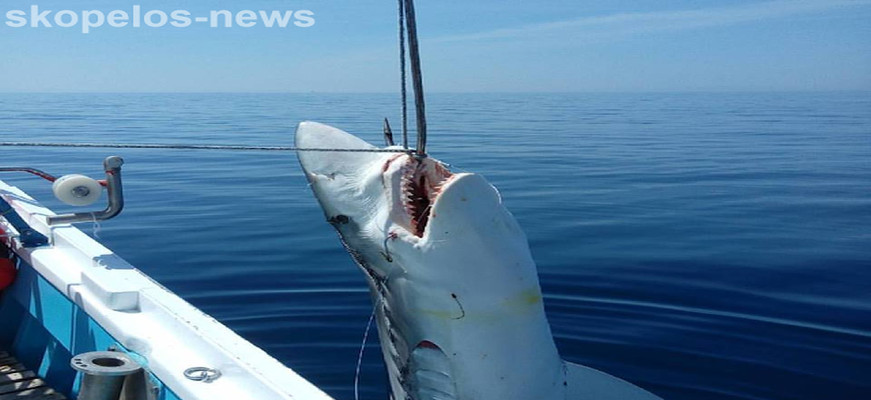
(701, 245)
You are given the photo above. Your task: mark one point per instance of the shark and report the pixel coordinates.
(458, 305)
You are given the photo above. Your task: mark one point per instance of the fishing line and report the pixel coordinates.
(197, 147)
(95, 229)
(362, 350)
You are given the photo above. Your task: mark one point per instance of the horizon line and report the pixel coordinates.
(676, 91)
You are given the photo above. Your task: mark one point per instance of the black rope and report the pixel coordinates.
(416, 76)
(402, 69)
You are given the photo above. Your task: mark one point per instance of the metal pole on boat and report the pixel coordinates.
(416, 76)
(103, 374)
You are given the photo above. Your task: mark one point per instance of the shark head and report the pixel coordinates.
(455, 289)
(454, 286)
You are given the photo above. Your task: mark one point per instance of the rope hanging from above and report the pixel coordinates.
(416, 75)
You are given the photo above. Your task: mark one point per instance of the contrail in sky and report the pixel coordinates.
(637, 23)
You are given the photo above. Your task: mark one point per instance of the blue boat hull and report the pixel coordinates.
(44, 330)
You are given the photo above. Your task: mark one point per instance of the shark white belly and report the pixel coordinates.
(458, 303)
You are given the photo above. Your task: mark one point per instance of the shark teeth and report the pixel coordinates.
(422, 180)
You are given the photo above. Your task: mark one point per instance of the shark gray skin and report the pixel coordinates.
(457, 298)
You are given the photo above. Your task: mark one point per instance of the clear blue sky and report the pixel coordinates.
(468, 46)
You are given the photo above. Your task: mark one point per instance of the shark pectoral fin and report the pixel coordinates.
(584, 383)
(431, 374)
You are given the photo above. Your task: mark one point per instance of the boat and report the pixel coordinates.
(79, 322)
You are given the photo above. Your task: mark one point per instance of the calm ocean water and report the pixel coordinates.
(704, 246)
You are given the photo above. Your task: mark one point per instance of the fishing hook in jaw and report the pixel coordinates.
(386, 252)
(387, 238)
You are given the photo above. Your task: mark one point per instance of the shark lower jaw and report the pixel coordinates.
(420, 182)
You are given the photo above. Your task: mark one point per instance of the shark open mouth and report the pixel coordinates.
(422, 181)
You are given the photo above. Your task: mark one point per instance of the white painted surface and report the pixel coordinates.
(146, 318)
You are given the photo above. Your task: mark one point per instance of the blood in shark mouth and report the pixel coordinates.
(422, 181)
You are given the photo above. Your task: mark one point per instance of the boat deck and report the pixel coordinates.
(19, 383)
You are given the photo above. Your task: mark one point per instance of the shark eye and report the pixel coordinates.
(339, 220)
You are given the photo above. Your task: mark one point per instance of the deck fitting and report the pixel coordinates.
(103, 374)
